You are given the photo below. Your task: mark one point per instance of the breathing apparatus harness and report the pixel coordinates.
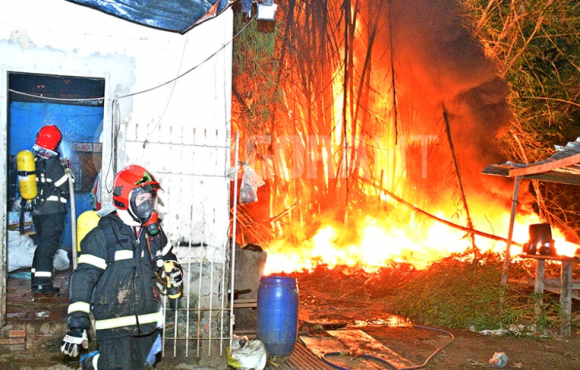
(34, 189)
(163, 269)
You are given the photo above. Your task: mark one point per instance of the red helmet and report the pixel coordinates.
(127, 180)
(48, 137)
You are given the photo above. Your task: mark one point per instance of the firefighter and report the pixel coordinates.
(49, 208)
(121, 264)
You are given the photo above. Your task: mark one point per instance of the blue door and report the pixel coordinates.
(73, 105)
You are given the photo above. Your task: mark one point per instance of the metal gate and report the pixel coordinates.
(199, 323)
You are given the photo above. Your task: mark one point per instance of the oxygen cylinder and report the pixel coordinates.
(87, 221)
(26, 175)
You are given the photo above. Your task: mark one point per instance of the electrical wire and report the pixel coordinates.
(100, 99)
(116, 99)
(192, 68)
(386, 361)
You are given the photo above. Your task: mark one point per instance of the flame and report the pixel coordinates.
(380, 242)
(400, 145)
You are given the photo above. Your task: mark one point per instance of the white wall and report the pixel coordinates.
(185, 124)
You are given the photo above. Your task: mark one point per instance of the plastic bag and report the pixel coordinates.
(251, 181)
(20, 250)
(60, 261)
(247, 354)
(499, 359)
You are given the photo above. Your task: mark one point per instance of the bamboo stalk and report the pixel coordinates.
(393, 80)
(345, 98)
(457, 173)
(425, 213)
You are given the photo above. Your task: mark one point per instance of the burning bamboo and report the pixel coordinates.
(448, 223)
(250, 228)
(456, 166)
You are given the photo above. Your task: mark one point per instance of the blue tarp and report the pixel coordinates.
(170, 15)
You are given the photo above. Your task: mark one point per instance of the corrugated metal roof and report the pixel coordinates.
(562, 167)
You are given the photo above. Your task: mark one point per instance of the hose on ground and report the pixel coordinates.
(330, 354)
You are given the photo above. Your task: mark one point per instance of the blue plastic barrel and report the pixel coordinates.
(278, 314)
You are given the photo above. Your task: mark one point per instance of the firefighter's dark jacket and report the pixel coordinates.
(117, 282)
(53, 186)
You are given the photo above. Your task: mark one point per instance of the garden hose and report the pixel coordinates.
(325, 359)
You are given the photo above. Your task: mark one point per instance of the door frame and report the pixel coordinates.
(107, 152)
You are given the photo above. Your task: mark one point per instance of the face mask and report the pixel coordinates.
(145, 209)
(144, 212)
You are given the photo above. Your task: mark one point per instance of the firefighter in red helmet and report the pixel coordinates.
(121, 273)
(49, 208)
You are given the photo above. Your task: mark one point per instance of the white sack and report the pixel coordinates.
(20, 251)
(247, 354)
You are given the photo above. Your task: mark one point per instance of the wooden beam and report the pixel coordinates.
(557, 177)
(554, 285)
(566, 286)
(545, 167)
(506, 260)
(497, 170)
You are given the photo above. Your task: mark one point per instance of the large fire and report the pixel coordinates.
(381, 242)
(400, 102)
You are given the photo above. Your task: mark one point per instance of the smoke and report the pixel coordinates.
(439, 66)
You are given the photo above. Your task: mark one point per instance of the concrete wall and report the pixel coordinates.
(167, 104)
(184, 123)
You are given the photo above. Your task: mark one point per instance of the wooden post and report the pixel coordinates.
(539, 286)
(506, 260)
(566, 298)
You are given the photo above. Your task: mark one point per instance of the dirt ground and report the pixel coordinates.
(438, 348)
(467, 350)
(426, 347)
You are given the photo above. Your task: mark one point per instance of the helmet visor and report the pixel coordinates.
(143, 202)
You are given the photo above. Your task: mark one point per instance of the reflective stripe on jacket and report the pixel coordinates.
(53, 186)
(115, 280)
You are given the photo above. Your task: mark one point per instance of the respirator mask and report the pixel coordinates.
(142, 208)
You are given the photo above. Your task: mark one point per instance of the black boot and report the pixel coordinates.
(45, 289)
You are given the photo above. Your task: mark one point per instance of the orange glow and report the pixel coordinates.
(389, 141)
(380, 242)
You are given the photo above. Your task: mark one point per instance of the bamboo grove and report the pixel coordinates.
(340, 103)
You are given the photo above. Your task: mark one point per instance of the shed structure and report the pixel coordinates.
(562, 167)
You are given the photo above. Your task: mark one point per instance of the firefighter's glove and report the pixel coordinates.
(72, 340)
(175, 273)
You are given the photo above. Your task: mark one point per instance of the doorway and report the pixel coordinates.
(75, 105)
